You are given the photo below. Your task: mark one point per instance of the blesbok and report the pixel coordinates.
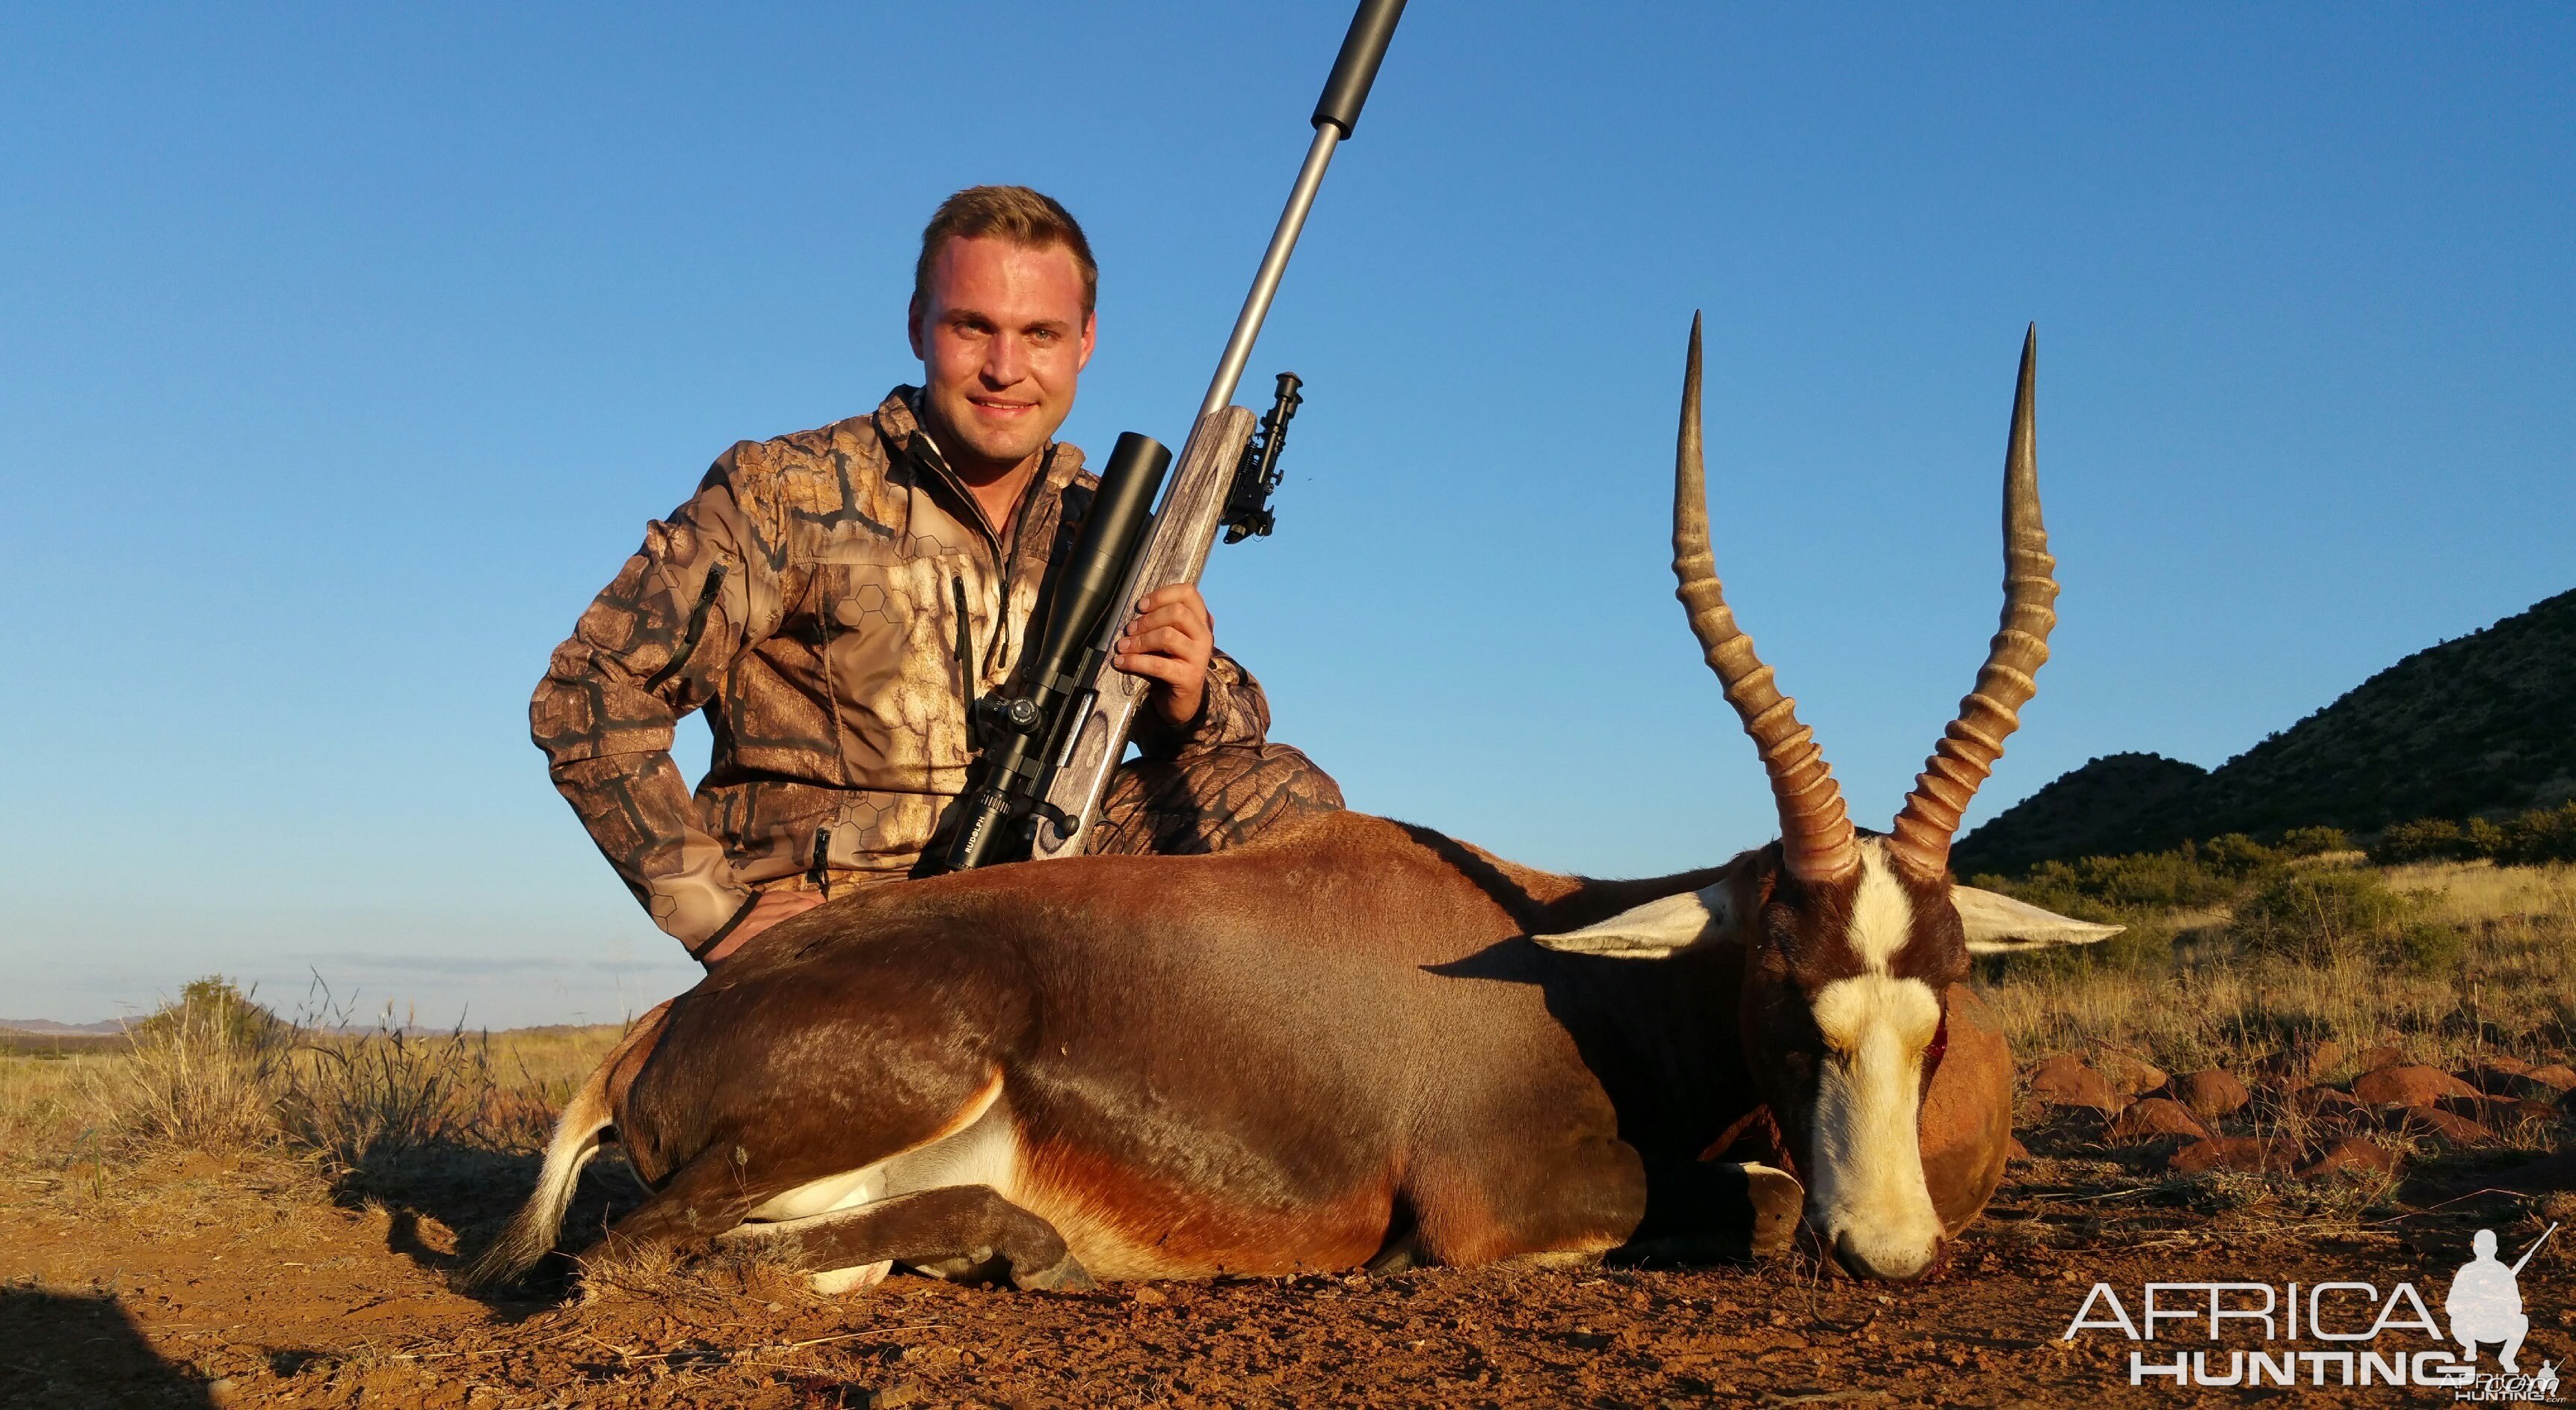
(1363, 1042)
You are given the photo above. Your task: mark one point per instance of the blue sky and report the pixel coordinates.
(344, 352)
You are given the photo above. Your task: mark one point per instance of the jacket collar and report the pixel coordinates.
(899, 429)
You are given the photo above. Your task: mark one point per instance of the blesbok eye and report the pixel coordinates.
(1940, 1042)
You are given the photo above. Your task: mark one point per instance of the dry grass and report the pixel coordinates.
(2512, 990)
(198, 1077)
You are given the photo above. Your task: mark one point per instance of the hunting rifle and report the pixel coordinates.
(1045, 757)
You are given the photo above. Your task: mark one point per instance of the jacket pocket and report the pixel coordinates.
(890, 660)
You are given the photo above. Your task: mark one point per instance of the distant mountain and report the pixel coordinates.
(49, 1028)
(2485, 724)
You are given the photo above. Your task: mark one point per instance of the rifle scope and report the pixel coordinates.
(1015, 746)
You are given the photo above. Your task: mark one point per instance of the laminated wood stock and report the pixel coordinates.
(1175, 551)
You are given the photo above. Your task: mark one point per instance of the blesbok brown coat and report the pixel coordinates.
(1360, 1040)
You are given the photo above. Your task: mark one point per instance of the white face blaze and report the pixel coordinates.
(1866, 1193)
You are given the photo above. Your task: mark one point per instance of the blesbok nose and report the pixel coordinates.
(1885, 1261)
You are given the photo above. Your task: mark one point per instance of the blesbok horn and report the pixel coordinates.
(1815, 830)
(1970, 746)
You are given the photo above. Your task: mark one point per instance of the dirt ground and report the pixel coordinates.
(197, 1281)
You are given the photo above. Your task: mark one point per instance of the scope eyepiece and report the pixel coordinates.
(1016, 713)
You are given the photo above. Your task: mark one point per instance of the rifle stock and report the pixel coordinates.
(1175, 550)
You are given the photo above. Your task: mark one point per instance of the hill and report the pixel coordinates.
(2479, 726)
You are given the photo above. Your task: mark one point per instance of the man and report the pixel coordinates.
(837, 598)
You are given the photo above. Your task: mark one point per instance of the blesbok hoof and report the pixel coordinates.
(1066, 1274)
(837, 1281)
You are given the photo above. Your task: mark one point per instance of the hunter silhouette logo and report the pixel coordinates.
(2364, 1337)
(2486, 1299)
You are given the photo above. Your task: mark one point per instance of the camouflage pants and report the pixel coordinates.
(1215, 798)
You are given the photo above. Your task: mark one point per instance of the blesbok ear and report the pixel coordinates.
(1999, 925)
(1651, 931)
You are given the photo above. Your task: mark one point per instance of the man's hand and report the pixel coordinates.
(1168, 642)
(770, 909)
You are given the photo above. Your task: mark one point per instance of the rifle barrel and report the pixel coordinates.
(2535, 1248)
(1354, 70)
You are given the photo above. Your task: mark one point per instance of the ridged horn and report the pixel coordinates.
(1815, 830)
(1970, 746)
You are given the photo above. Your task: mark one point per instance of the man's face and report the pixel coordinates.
(1002, 338)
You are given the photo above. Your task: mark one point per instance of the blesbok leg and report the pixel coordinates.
(702, 1199)
(1580, 1200)
(962, 1231)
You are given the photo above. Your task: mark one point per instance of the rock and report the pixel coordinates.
(2384, 1055)
(2210, 1093)
(2152, 1117)
(2064, 1080)
(2015, 1151)
(2129, 1076)
(2351, 1156)
(2328, 1106)
(2453, 1130)
(2551, 1079)
(2498, 1074)
(223, 1390)
(2526, 1109)
(2409, 1086)
(2302, 1064)
(2249, 1154)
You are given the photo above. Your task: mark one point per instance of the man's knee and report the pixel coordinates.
(1210, 800)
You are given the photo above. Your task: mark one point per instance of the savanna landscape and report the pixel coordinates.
(2298, 1062)
(2331, 1051)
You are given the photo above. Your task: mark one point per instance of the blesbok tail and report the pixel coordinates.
(532, 1232)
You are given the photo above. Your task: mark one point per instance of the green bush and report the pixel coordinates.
(2481, 838)
(2144, 880)
(2313, 841)
(2430, 840)
(205, 1073)
(2427, 948)
(217, 1007)
(2318, 916)
(2237, 856)
(2544, 835)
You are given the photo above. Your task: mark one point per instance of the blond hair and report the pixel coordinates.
(1024, 217)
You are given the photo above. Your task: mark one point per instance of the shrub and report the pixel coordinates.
(2236, 855)
(2313, 841)
(2319, 916)
(2430, 840)
(217, 1002)
(206, 1073)
(2543, 835)
(2112, 886)
(2539, 836)
(2480, 838)
(2427, 948)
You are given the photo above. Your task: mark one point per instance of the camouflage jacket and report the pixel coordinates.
(834, 598)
